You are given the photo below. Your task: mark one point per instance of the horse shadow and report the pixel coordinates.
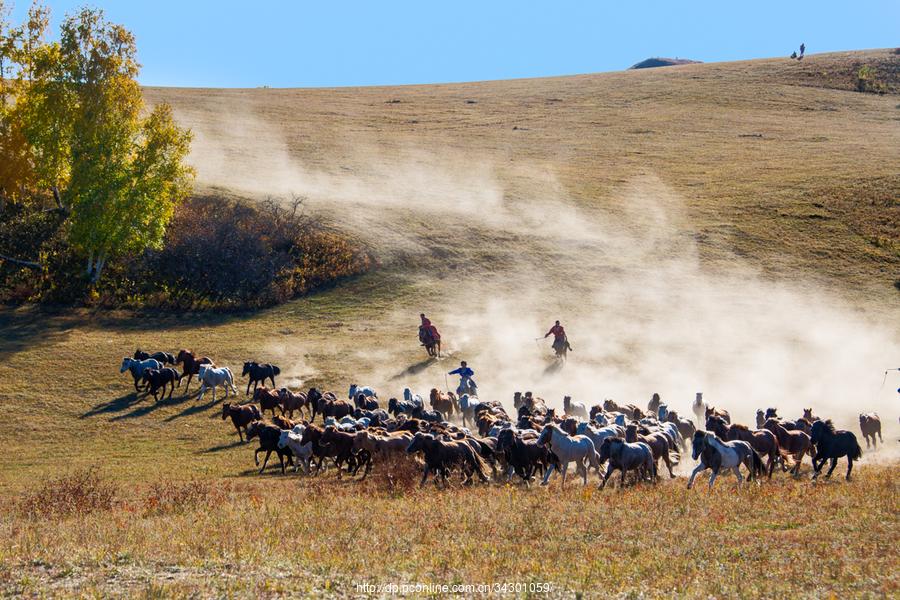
(554, 367)
(115, 405)
(193, 409)
(415, 369)
(220, 447)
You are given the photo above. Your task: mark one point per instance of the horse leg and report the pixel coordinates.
(833, 465)
(202, 391)
(265, 461)
(240, 435)
(281, 462)
(256, 456)
(609, 471)
(172, 390)
(698, 469)
(737, 473)
(712, 478)
(850, 467)
(564, 469)
(669, 465)
(547, 474)
(424, 476)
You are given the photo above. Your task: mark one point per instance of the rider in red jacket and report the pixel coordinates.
(559, 336)
(427, 326)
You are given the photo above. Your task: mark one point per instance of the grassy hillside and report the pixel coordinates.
(731, 228)
(776, 160)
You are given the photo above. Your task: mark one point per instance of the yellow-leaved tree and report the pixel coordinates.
(73, 125)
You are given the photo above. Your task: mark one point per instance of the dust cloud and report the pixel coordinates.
(644, 314)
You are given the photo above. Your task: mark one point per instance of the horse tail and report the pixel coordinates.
(856, 451)
(674, 455)
(758, 467)
(477, 462)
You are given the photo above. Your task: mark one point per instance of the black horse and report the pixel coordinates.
(163, 357)
(525, 457)
(160, 378)
(259, 373)
(833, 444)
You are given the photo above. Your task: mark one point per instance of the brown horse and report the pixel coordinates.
(712, 411)
(629, 410)
(291, 401)
(762, 440)
(796, 443)
(441, 456)
(659, 446)
(191, 365)
(870, 424)
(241, 415)
(446, 404)
(267, 399)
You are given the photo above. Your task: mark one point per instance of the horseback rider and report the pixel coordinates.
(560, 341)
(466, 383)
(427, 329)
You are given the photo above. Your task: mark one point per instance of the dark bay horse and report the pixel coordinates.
(833, 444)
(259, 373)
(191, 365)
(870, 424)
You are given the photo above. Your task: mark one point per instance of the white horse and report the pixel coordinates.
(137, 368)
(211, 377)
(414, 398)
(302, 452)
(365, 390)
(717, 455)
(596, 434)
(579, 449)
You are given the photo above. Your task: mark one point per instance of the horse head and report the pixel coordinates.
(698, 443)
(662, 412)
(226, 410)
(126, 364)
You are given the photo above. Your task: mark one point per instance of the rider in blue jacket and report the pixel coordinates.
(466, 383)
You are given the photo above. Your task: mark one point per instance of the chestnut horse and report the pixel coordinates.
(191, 365)
(796, 443)
(870, 424)
(446, 404)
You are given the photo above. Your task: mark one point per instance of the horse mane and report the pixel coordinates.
(829, 426)
(740, 427)
(807, 421)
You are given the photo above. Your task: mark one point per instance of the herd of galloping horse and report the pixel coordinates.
(479, 439)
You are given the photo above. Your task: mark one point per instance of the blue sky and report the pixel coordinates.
(334, 43)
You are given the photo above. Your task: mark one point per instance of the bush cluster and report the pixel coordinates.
(217, 254)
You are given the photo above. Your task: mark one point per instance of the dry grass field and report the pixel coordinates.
(732, 228)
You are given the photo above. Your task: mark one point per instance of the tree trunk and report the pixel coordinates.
(95, 267)
(25, 263)
(58, 197)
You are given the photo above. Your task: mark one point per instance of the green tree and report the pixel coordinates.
(78, 130)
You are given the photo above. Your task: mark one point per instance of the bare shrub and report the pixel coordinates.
(231, 253)
(79, 493)
(173, 497)
(395, 473)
